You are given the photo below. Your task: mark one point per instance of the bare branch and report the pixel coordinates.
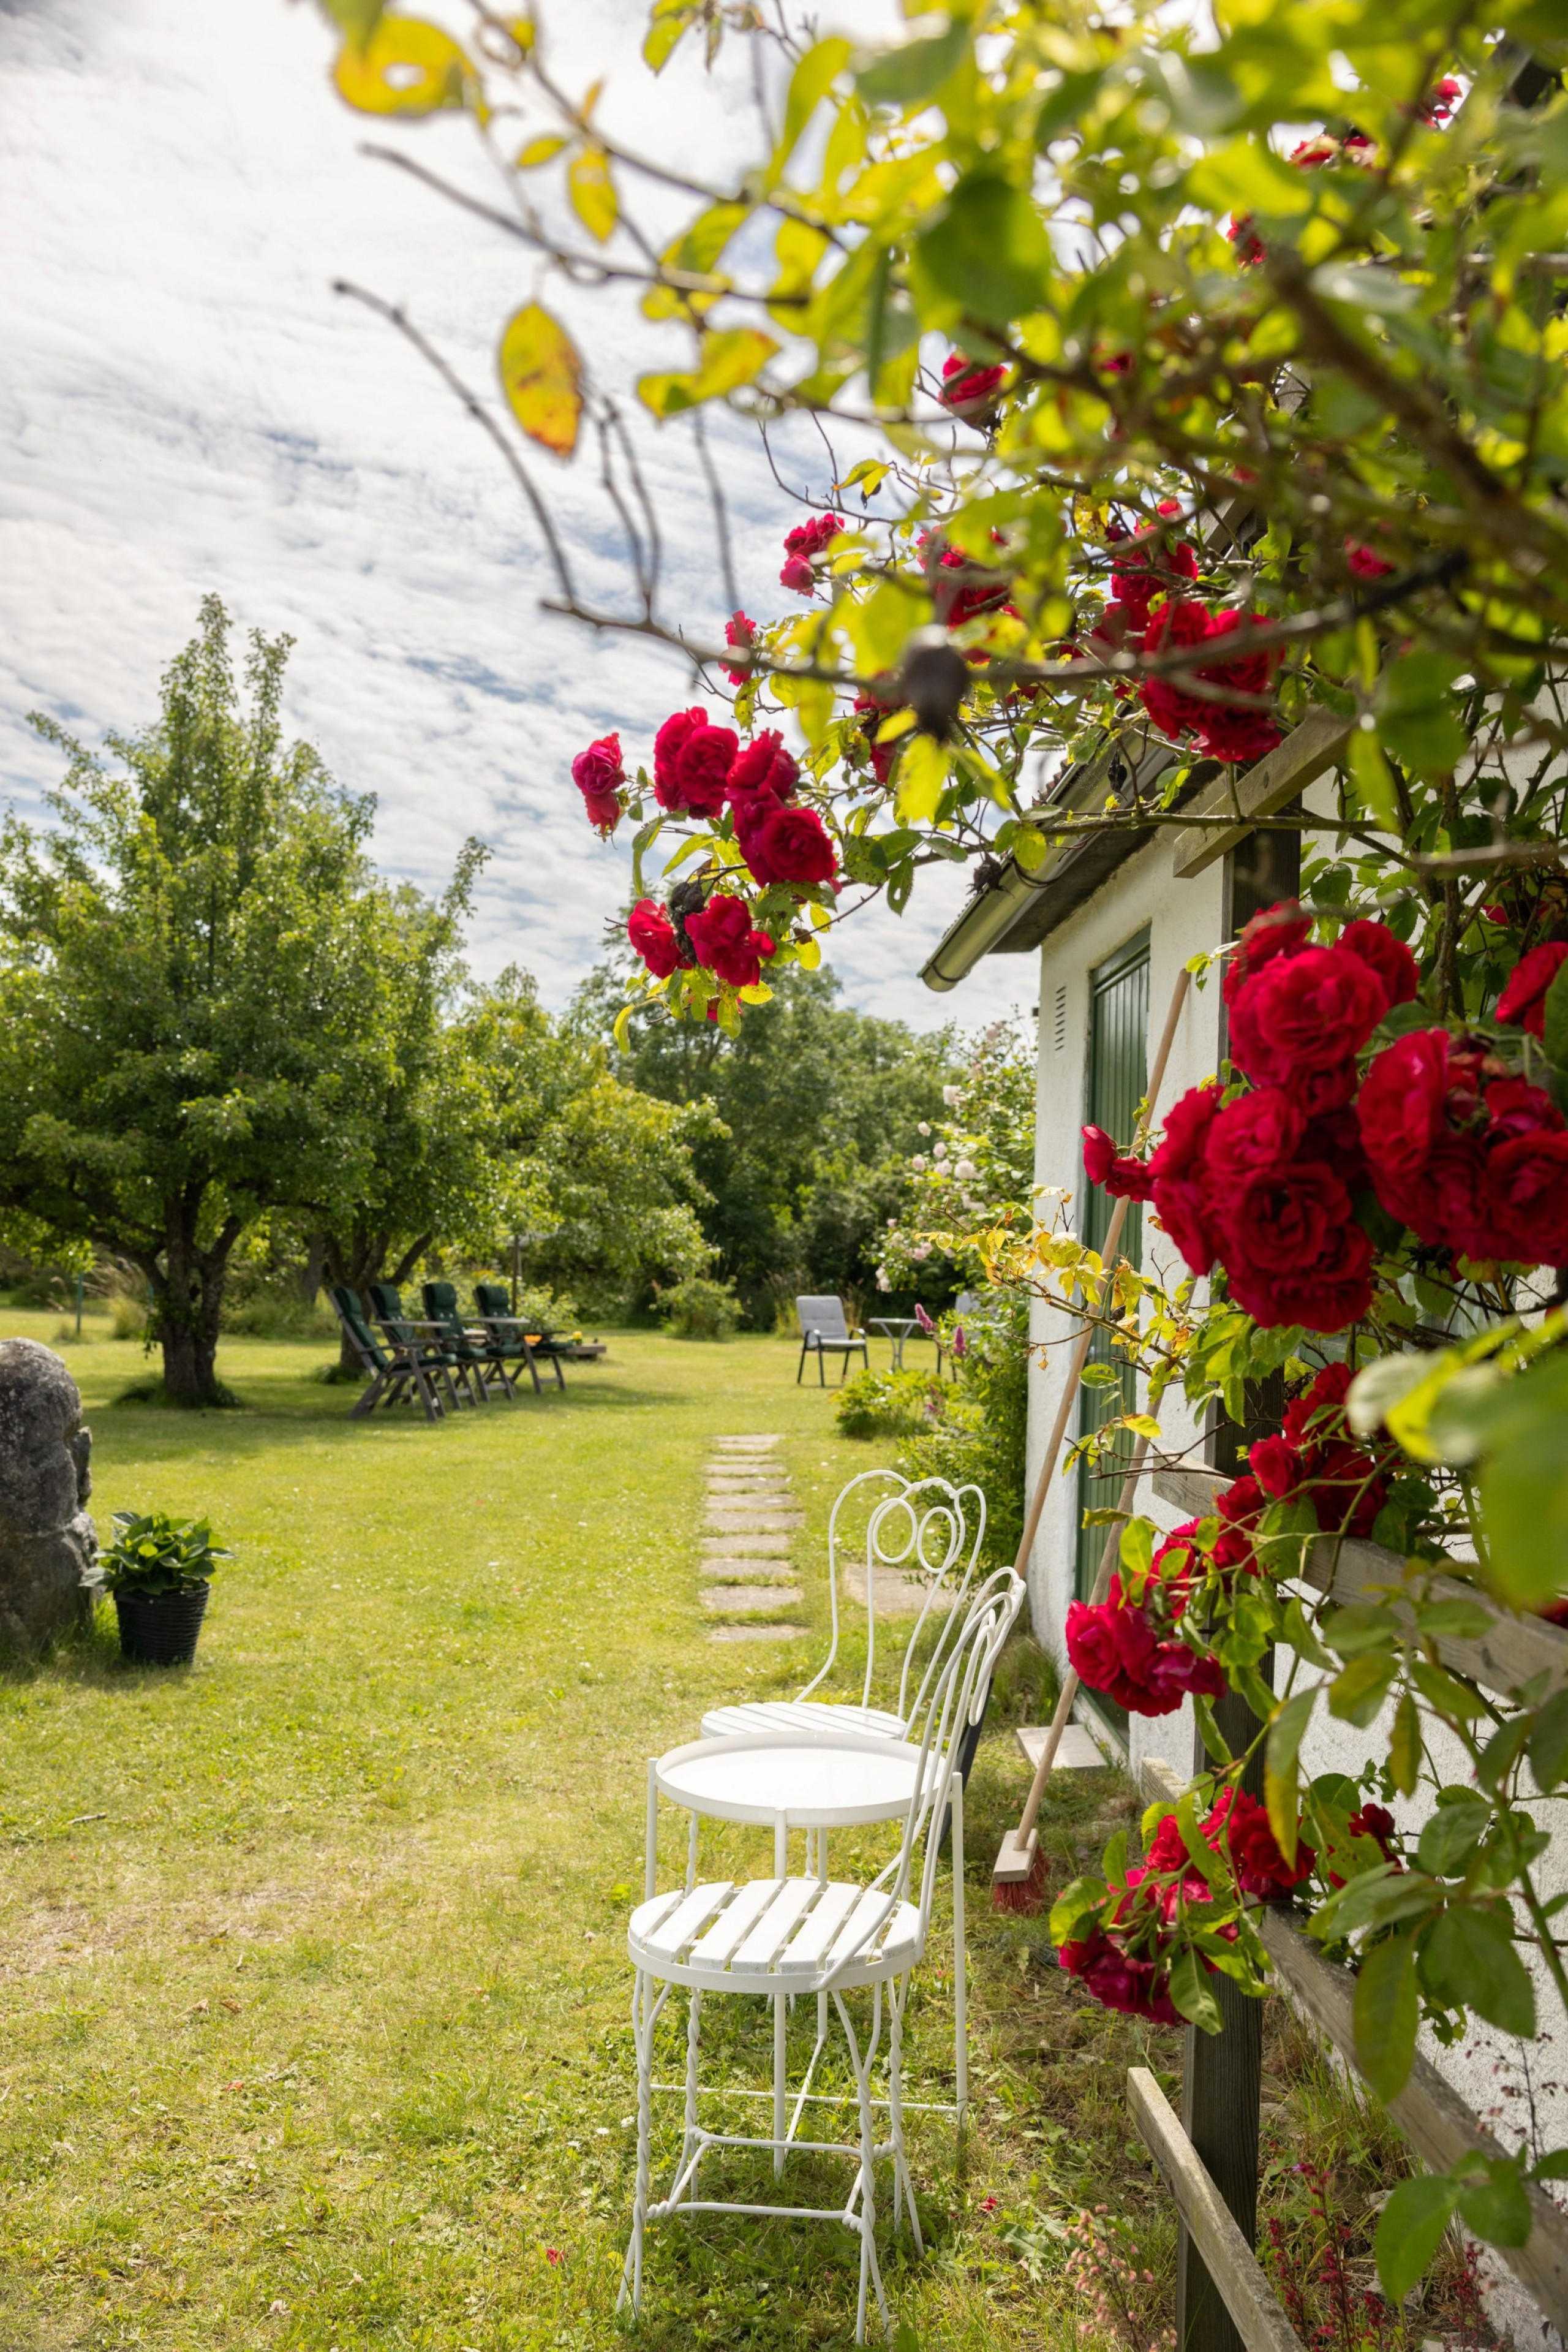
(721, 515)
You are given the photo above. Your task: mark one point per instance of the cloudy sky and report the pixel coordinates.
(187, 406)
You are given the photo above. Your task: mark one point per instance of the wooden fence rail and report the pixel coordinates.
(1430, 2112)
(1261, 2322)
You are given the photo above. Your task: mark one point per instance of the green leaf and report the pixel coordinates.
(1451, 1836)
(1557, 1021)
(1445, 1691)
(1468, 1961)
(1302, 1636)
(990, 251)
(1497, 2208)
(922, 776)
(1137, 1547)
(1416, 719)
(1373, 777)
(809, 85)
(671, 20)
(1279, 1791)
(1074, 1903)
(1404, 1746)
(541, 377)
(1410, 2231)
(1386, 2013)
(1549, 1743)
(729, 358)
(906, 76)
(1356, 1696)
(1194, 1996)
(1365, 1626)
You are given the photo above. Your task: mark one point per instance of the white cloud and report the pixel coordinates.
(188, 406)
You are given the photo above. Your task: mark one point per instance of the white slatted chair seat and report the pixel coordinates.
(796, 1715)
(774, 1936)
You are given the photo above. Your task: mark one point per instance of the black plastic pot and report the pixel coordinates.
(160, 1629)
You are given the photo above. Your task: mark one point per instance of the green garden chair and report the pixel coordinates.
(409, 1330)
(495, 1313)
(399, 1372)
(478, 1349)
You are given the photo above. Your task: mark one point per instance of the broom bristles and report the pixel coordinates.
(1021, 1895)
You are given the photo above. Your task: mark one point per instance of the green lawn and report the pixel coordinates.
(316, 2003)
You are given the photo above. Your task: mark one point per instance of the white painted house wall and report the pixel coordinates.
(1183, 918)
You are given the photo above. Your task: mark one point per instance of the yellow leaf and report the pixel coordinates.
(760, 993)
(729, 358)
(537, 152)
(807, 954)
(817, 916)
(592, 192)
(406, 67)
(922, 772)
(540, 375)
(900, 723)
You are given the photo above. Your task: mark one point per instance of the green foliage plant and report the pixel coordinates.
(699, 1308)
(1185, 433)
(875, 1404)
(151, 1552)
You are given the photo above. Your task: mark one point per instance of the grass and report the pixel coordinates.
(317, 1999)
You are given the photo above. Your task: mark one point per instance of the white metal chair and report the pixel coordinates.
(924, 1524)
(782, 1935)
(826, 1331)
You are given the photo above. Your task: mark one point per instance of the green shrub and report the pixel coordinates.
(700, 1308)
(153, 1553)
(980, 1436)
(889, 1404)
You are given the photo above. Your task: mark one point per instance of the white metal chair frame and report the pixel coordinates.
(936, 1533)
(783, 1936)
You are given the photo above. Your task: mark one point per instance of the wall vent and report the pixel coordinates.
(1061, 1016)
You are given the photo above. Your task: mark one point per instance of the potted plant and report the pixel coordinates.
(158, 1570)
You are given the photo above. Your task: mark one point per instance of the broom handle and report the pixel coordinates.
(1069, 1398)
(1070, 1680)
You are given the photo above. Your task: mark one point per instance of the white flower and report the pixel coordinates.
(938, 1151)
(882, 1281)
(920, 1163)
(964, 1171)
(952, 1096)
(921, 1249)
(923, 1128)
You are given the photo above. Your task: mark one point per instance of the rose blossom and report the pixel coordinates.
(1389, 958)
(1323, 1296)
(1121, 1174)
(739, 631)
(723, 938)
(1260, 1868)
(652, 935)
(1280, 929)
(1524, 998)
(1176, 1177)
(702, 765)
(1525, 1198)
(969, 391)
(1141, 568)
(1180, 622)
(1135, 1987)
(597, 773)
(803, 548)
(1276, 1465)
(1257, 1132)
(795, 847)
(667, 743)
(1304, 1013)
(1281, 1217)
(1400, 1107)
(763, 766)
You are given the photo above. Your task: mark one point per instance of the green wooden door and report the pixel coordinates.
(1118, 1074)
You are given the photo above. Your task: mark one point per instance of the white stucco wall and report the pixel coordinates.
(1490, 2072)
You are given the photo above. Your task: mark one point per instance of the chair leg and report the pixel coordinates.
(801, 1365)
(533, 1368)
(897, 1997)
(644, 2010)
(960, 1989)
(865, 2180)
(693, 2045)
(371, 1398)
(821, 1369)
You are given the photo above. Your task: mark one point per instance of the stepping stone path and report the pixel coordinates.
(751, 1520)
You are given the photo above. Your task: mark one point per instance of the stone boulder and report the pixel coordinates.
(48, 1545)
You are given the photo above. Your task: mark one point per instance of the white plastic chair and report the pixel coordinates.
(780, 1935)
(925, 1522)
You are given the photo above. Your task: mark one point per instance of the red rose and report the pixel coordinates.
(1401, 1107)
(1260, 1868)
(1280, 929)
(1121, 1174)
(1167, 1848)
(652, 935)
(739, 631)
(1224, 732)
(1515, 1107)
(1135, 1988)
(797, 574)
(1259, 1131)
(1363, 563)
(969, 391)
(803, 547)
(1241, 737)
(1346, 1489)
(1180, 622)
(1142, 567)
(1524, 998)
(1525, 1200)
(795, 846)
(1389, 958)
(1321, 1407)
(667, 744)
(1304, 1013)
(701, 766)
(724, 940)
(1176, 1176)
(1377, 1822)
(598, 769)
(764, 767)
(1090, 1644)
(1276, 1465)
(1323, 1296)
(1283, 1217)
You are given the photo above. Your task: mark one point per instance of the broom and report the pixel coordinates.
(1018, 1878)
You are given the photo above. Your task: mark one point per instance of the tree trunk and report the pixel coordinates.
(187, 1299)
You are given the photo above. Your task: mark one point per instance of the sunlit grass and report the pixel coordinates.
(317, 1999)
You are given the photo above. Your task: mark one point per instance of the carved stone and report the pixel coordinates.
(48, 1545)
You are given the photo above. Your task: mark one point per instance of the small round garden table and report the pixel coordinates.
(896, 1329)
(815, 1783)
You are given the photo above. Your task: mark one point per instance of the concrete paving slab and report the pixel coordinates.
(747, 1572)
(750, 1600)
(756, 1633)
(737, 1545)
